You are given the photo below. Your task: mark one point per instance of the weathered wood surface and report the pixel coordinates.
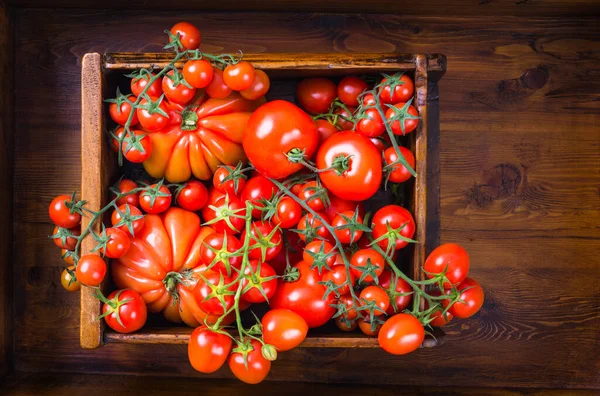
(520, 176)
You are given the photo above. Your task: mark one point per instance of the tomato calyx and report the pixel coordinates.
(172, 279)
(353, 224)
(133, 141)
(263, 242)
(401, 115)
(334, 117)
(224, 213)
(153, 106)
(369, 269)
(391, 81)
(235, 175)
(392, 235)
(63, 234)
(74, 206)
(341, 164)
(189, 120)
(320, 258)
(291, 274)
(119, 100)
(223, 255)
(218, 291)
(142, 73)
(154, 191)
(177, 78)
(101, 240)
(114, 305)
(317, 192)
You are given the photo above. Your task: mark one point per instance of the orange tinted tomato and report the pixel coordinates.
(284, 329)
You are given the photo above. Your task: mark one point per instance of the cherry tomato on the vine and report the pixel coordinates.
(229, 215)
(260, 86)
(153, 120)
(138, 151)
(230, 186)
(403, 89)
(180, 93)
(316, 95)
(313, 194)
(216, 252)
(472, 295)
(208, 350)
(239, 76)
(256, 189)
(193, 196)
(61, 215)
(189, 35)
(125, 213)
(70, 242)
(68, 281)
(345, 324)
(368, 262)
(351, 313)
(349, 88)
(125, 186)
(372, 125)
(284, 329)
(401, 334)
(265, 240)
(292, 250)
(345, 118)
(377, 295)
(338, 205)
(118, 243)
(338, 276)
(213, 293)
(217, 88)
(138, 85)
(126, 311)
(368, 329)
(311, 227)
(319, 248)
(325, 129)
(90, 270)
(399, 173)
(254, 368)
(451, 258)
(399, 219)
(345, 235)
(410, 124)
(258, 275)
(288, 213)
(120, 114)
(398, 289)
(154, 203)
(198, 73)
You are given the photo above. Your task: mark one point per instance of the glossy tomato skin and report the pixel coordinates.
(361, 258)
(449, 257)
(307, 221)
(284, 329)
(315, 247)
(239, 76)
(308, 193)
(362, 178)
(135, 154)
(189, 35)
(316, 95)
(256, 275)
(396, 216)
(345, 120)
(70, 242)
(254, 369)
(229, 202)
(409, 124)
(255, 189)
(401, 334)
(346, 325)
(227, 186)
(160, 204)
(338, 275)
(216, 242)
(345, 235)
(372, 125)
(68, 284)
(217, 88)
(348, 301)
(305, 297)
(208, 350)
(367, 329)
(349, 88)
(125, 186)
(61, 215)
(179, 94)
(260, 86)
(402, 92)
(473, 299)
(263, 245)
(398, 290)
(118, 244)
(193, 196)
(203, 293)
(90, 270)
(273, 130)
(121, 211)
(399, 173)
(377, 295)
(152, 121)
(325, 129)
(198, 73)
(133, 314)
(138, 85)
(288, 213)
(120, 114)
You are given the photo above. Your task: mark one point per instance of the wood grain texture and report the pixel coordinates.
(520, 177)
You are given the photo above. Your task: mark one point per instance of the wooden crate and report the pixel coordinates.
(99, 170)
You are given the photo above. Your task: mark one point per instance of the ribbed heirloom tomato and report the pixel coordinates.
(207, 137)
(156, 262)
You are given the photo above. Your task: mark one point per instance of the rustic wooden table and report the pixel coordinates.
(520, 179)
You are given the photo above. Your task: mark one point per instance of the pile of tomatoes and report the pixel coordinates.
(252, 202)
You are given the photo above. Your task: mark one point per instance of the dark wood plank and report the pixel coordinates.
(519, 175)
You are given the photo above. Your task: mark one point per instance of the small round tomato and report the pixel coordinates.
(438, 319)
(367, 327)
(138, 85)
(120, 114)
(128, 218)
(125, 186)
(399, 173)
(338, 276)
(213, 293)
(258, 275)
(398, 289)
(198, 73)
(256, 189)
(472, 295)
(316, 95)
(233, 185)
(372, 125)
(155, 199)
(345, 324)
(216, 252)
(401, 222)
(410, 119)
(265, 241)
(151, 118)
(239, 76)
(344, 234)
(177, 93)
(208, 350)
(217, 88)
(310, 227)
(401, 334)
(325, 129)
(125, 311)
(355, 166)
(68, 281)
(61, 215)
(252, 369)
(67, 258)
(260, 86)
(367, 263)
(349, 88)
(288, 213)
(222, 219)
(189, 35)
(313, 194)
(69, 242)
(403, 89)
(137, 148)
(117, 244)
(451, 258)
(319, 253)
(345, 121)
(351, 313)
(284, 329)
(378, 296)
(90, 270)
(193, 196)
(338, 205)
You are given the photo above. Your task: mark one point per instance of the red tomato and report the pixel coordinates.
(288, 213)
(473, 299)
(138, 85)
(260, 86)
(399, 173)
(239, 76)
(338, 276)
(227, 206)
(155, 202)
(305, 297)
(151, 119)
(125, 311)
(349, 88)
(90, 270)
(356, 163)
(126, 185)
(372, 125)
(339, 205)
(256, 189)
(216, 251)
(193, 196)
(410, 124)
(324, 252)
(265, 241)
(118, 243)
(345, 235)
(138, 148)
(189, 35)
(61, 215)
(449, 257)
(361, 259)
(310, 227)
(345, 118)
(403, 89)
(233, 185)
(367, 328)
(258, 275)
(345, 324)
(67, 258)
(377, 295)
(217, 88)
(312, 193)
(213, 294)
(397, 217)
(68, 281)
(208, 350)
(284, 329)
(125, 214)
(254, 368)
(438, 319)
(351, 312)
(398, 289)
(379, 143)
(325, 129)
(120, 114)
(316, 95)
(68, 242)
(198, 73)
(401, 334)
(180, 93)
(275, 129)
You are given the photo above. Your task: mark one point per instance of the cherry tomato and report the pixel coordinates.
(126, 311)
(325, 129)
(125, 186)
(349, 88)
(265, 241)
(356, 163)
(345, 120)
(397, 217)
(208, 350)
(316, 95)
(254, 368)
(284, 329)
(138, 84)
(367, 328)
(379, 143)
(68, 281)
(260, 86)
(138, 151)
(338, 275)
(152, 120)
(339, 205)
(377, 295)
(155, 203)
(472, 295)
(217, 88)
(403, 90)
(345, 235)
(67, 258)
(288, 213)
(307, 222)
(345, 324)
(70, 242)
(372, 125)
(125, 213)
(213, 294)
(258, 275)
(189, 35)
(230, 186)
(90, 270)
(312, 193)
(216, 251)
(399, 291)
(61, 215)
(120, 114)
(449, 257)
(239, 76)
(180, 93)
(359, 262)
(438, 319)
(351, 312)
(118, 243)
(401, 334)
(198, 73)
(318, 247)
(410, 124)
(226, 205)
(193, 196)
(256, 189)
(399, 173)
